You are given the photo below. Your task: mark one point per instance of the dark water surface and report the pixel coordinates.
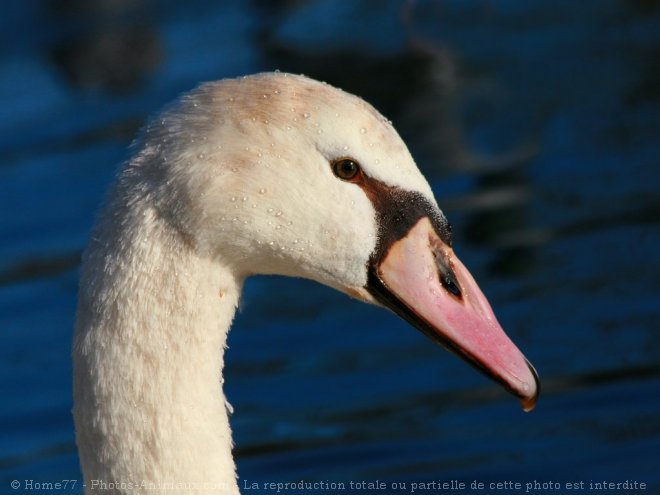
(538, 125)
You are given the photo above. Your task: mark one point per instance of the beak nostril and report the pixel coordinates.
(446, 275)
(449, 282)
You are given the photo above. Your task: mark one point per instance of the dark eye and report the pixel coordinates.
(346, 169)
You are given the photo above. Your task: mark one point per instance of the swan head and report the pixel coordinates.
(281, 174)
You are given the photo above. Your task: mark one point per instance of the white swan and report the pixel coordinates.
(271, 173)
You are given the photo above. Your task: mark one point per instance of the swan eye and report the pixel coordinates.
(346, 169)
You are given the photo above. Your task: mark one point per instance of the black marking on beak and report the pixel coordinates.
(397, 211)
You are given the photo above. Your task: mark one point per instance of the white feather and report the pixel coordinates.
(231, 180)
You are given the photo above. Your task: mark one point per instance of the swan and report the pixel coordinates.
(272, 173)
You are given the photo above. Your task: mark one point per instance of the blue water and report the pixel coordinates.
(537, 124)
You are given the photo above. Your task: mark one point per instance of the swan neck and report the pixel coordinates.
(148, 353)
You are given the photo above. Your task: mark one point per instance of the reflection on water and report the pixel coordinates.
(106, 45)
(536, 124)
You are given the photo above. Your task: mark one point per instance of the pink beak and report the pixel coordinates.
(421, 279)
